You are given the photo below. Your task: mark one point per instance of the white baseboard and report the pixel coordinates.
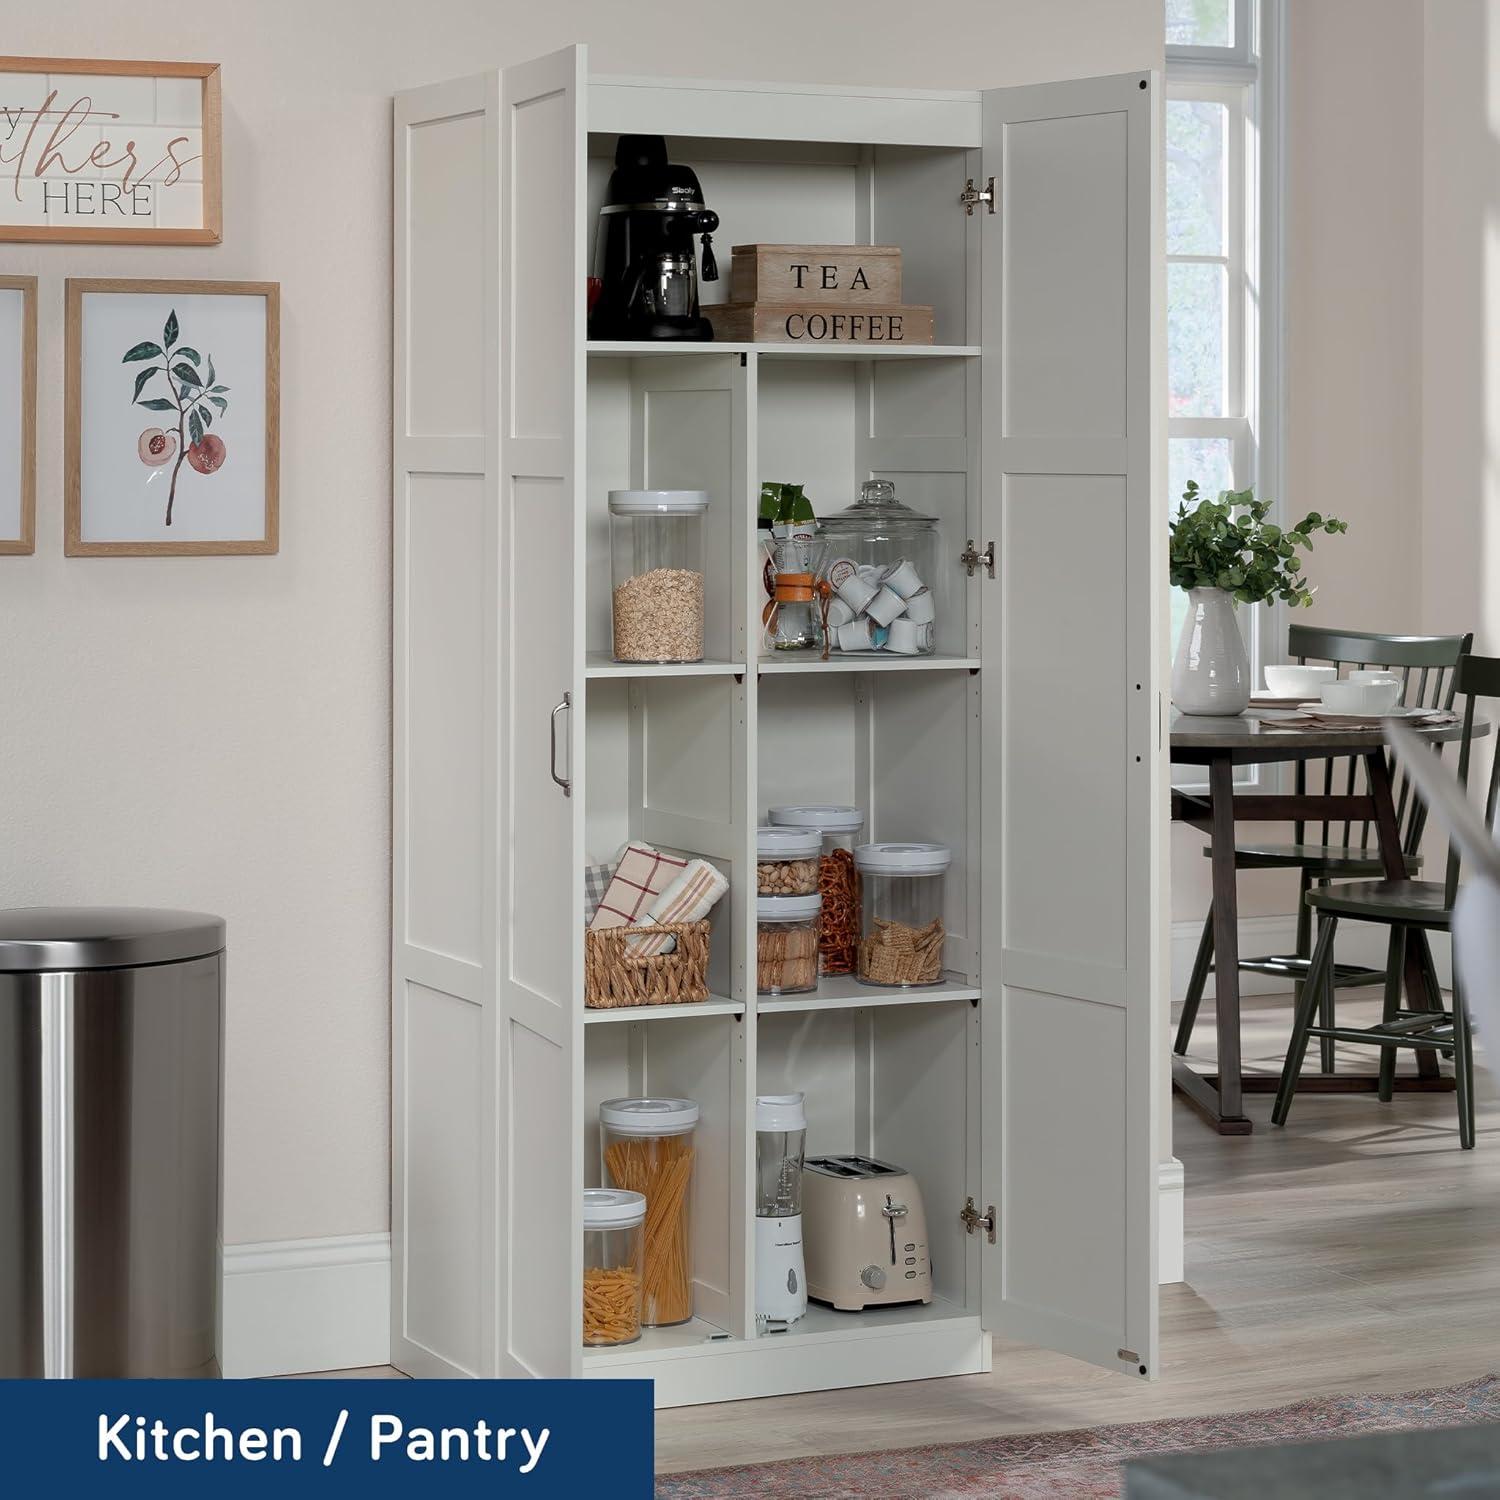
(1170, 1253)
(294, 1307)
(1358, 943)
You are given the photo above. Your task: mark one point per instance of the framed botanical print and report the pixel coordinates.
(17, 414)
(110, 152)
(172, 421)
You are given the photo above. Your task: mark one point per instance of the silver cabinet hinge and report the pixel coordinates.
(972, 559)
(972, 195)
(972, 1219)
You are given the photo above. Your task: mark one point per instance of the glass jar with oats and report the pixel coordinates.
(656, 566)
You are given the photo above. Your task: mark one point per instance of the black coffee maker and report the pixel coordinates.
(644, 258)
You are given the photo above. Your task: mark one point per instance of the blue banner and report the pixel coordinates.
(290, 1438)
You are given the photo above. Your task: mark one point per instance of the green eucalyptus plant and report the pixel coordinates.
(785, 504)
(1229, 544)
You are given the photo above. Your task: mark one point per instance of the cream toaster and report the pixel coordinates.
(864, 1233)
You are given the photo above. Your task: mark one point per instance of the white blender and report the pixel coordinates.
(780, 1278)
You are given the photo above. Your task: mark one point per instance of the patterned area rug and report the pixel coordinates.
(1083, 1465)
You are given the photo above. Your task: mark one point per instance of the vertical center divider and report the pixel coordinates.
(747, 605)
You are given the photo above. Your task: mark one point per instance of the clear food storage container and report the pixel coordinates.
(613, 1236)
(838, 879)
(786, 944)
(882, 563)
(647, 1146)
(901, 942)
(656, 553)
(786, 861)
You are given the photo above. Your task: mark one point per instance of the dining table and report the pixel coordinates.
(1265, 735)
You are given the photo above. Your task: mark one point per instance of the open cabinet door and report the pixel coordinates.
(540, 853)
(1071, 866)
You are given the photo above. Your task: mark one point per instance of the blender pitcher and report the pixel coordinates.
(780, 1142)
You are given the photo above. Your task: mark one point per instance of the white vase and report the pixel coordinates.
(1211, 673)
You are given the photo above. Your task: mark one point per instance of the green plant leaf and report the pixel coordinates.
(141, 351)
(169, 333)
(216, 387)
(142, 378)
(183, 352)
(205, 416)
(186, 374)
(221, 403)
(210, 379)
(158, 404)
(195, 428)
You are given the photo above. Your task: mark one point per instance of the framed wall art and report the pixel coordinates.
(172, 418)
(110, 152)
(17, 414)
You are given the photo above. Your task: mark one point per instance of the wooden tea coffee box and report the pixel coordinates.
(818, 294)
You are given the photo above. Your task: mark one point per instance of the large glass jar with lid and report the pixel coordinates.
(656, 548)
(881, 564)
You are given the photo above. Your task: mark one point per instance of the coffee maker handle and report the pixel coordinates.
(710, 265)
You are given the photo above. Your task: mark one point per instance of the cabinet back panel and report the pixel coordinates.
(687, 1058)
(609, 468)
(806, 740)
(690, 728)
(921, 740)
(807, 430)
(607, 727)
(919, 1111)
(817, 1053)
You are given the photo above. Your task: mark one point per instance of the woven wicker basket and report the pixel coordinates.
(613, 975)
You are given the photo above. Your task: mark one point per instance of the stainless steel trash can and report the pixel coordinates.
(111, 1029)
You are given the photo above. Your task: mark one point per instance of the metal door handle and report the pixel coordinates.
(564, 782)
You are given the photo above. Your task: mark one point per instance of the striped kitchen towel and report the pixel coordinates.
(641, 875)
(689, 898)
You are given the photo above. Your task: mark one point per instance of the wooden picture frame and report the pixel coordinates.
(56, 181)
(20, 540)
(112, 508)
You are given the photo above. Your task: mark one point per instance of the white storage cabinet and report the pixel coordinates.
(1025, 1086)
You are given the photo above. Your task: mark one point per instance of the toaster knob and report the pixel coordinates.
(873, 1277)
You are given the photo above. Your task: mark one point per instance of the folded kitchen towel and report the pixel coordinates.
(689, 898)
(596, 880)
(641, 875)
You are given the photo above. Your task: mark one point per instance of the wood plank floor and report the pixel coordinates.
(1356, 1249)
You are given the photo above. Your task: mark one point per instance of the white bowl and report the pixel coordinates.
(1298, 682)
(1361, 697)
(1374, 674)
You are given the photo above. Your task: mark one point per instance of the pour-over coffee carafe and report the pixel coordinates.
(644, 258)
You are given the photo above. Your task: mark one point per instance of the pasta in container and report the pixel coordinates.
(613, 1240)
(648, 1149)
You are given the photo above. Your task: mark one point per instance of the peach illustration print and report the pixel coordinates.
(195, 398)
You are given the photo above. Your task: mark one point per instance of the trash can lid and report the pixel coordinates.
(35, 938)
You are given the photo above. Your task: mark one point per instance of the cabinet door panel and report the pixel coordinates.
(1070, 713)
(540, 836)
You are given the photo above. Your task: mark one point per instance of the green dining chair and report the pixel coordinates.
(1405, 906)
(1321, 852)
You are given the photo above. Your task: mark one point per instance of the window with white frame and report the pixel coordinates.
(1222, 239)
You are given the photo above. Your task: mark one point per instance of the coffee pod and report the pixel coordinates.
(856, 593)
(879, 635)
(840, 569)
(901, 578)
(885, 606)
(839, 613)
(871, 572)
(855, 636)
(919, 607)
(907, 638)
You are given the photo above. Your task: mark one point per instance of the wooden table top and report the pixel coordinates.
(1253, 736)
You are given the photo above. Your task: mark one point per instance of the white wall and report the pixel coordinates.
(215, 733)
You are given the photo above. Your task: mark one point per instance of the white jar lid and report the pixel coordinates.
(826, 817)
(658, 502)
(787, 843)
(903, 859)
(612, 1208)
(648, 1116)
(788, 908)
(780, 1112)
